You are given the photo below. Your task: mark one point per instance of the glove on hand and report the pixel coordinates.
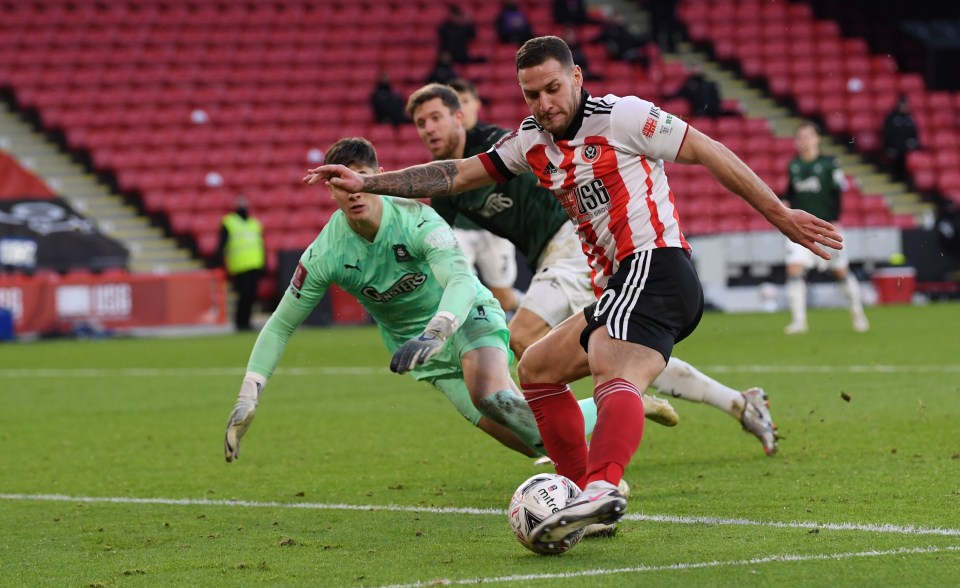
(417, 351)
(241, 417)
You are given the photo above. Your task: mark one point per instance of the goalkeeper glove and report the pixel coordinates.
(242, 416)
(417, 351)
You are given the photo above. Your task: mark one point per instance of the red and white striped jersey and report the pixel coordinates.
(608, 173)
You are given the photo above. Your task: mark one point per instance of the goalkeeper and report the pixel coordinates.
(402, 262)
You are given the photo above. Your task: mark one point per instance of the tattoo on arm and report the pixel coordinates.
(419, 181)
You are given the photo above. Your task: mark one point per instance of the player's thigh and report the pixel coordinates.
(798, 258)
(526, 328)
(558, 357)
(497, 261)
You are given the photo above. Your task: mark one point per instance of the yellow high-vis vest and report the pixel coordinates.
(244, 250)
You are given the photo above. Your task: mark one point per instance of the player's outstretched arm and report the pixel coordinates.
(438, 178)
(799, 226)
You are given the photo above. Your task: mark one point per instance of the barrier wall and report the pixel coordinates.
(52, 303)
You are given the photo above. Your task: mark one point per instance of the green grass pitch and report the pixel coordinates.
(112, 469)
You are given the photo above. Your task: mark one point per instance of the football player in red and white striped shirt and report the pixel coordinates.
(603, 158)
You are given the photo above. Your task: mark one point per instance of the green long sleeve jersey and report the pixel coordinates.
(411, 271)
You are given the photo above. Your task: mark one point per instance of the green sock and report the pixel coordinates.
(507, 408)
(589, 409)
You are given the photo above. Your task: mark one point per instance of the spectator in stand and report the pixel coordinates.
(579, 55)
(443, 71)
(816, 184)
(663, 23)
(455, 32)
(623, 43)
(241, 252)
(387, 104)
(570, 12)
(899, 136)
(702, 94)
(513, 24)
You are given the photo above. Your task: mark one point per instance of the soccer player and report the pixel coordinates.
(603, 158)
(402, 262)
(524, 212)
(494, 257)
(816, 185)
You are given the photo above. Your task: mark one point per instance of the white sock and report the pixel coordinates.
(851, 288)
(681, 380)
(797, 296)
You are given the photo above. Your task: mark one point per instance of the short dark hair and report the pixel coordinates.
(462, 86)
(539, 49)
(431, 91)
(352, 151)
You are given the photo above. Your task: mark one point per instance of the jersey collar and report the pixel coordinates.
(574, 127)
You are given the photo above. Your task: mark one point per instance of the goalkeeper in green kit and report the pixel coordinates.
(402, 262)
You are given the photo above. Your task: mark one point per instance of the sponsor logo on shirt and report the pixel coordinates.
(494, 203)
(651, 125)
(401, 254)
(408, 283)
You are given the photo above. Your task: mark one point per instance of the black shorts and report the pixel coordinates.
(655, 299)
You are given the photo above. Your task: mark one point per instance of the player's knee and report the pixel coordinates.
(534, 366)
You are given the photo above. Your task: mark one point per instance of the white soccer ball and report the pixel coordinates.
(536, 499)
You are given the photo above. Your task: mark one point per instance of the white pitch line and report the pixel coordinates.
(865, 527)
(370, 370)
(682, 566)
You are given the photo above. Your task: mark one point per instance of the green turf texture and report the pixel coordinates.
(144, 418)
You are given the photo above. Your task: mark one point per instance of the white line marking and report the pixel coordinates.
(369, 370)
(866, 527)
(684, 566)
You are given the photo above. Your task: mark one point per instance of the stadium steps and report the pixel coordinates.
(756, 104)
(150, 250)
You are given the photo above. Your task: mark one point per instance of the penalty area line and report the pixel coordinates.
(665, 519)
(684, 566)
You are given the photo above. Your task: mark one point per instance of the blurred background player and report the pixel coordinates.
(242, 253)
(527, 214)
(816, 184)
(402, 262)
(494, 257)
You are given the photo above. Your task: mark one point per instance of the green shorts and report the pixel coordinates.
(485, 326)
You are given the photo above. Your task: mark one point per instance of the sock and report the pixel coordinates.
(561, 427)
(681, 380)
(507, 408)
(618, 432)
(588, 406)
(797, 296)
(851, 288)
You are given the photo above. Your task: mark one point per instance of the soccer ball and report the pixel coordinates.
(536, 499)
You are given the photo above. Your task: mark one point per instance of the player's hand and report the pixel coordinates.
(337, 175)
(811, 232)
(416, 352)
(241, 418)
